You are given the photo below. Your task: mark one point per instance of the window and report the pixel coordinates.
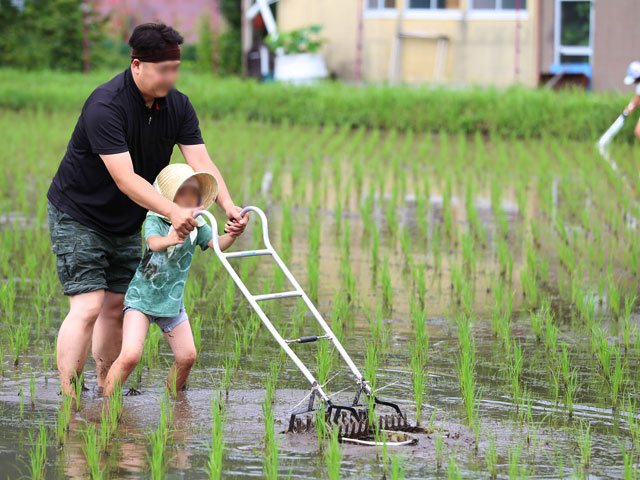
(573, 31)
(499, 4)
(434, 4)
(380, 4)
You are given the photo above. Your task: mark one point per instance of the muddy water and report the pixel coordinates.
(550, 448)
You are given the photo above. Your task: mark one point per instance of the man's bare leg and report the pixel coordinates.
(184, 351)
(74, 336)
(107, 335)
(136, 325)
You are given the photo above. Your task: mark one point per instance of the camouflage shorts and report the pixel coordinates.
(88, 260)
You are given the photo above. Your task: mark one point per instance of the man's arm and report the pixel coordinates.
(198, 158)
(142, 192)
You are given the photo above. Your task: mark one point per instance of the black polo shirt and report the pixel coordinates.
(115, 119)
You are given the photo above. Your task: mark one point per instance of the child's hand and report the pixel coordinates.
(237, 229)
(173, 238)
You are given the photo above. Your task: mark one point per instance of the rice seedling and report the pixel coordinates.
(387, 290)
(197, 333)
(630, 472)
(45, 363)
(21, 402)
(570, 378)
(631, 416)
(465, 367)
(551, 335)
(453, 472)
(613, 296)
(397, 470)
(229, 296)
(270, 460)
(447, 213)
(468, 254)
(417, 369)
(19, 340)
(105, 431)
(7, 297)
(272, 378)
(78, 385)
(216, 450)
(617, 379)
(491, 457)
(529, 287)
(375, 252)
(515, 372)
(157, 458)
(538, 320)
(64, 417)
(228, 369)
(584, 444)
(333, 455)
(371, 364)
(626, 321)
(38, 452)
(32, 389)
(516, 468)
(91, 450)
(114, 406)
(604, 352)
(324, 362)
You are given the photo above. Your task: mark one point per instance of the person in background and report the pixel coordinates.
(633, 78)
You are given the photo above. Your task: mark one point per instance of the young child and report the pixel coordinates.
(155, 293)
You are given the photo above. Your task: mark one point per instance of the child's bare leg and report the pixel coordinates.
(184, 351)
(134, 330)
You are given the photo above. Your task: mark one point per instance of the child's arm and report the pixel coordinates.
(633, 104)
(225, 241)
(158, 243)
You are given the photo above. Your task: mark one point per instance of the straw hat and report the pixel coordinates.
(173, 176)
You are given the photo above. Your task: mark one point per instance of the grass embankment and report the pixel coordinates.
(513, 112)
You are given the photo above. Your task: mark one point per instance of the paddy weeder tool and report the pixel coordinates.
(352, 418)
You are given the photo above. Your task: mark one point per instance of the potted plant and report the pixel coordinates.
(297, 59)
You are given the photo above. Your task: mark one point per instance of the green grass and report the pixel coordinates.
(516, 111)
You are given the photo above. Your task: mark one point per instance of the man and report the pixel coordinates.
(633, 77)
(101, 192)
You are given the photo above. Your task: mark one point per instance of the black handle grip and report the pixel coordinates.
(310, 338)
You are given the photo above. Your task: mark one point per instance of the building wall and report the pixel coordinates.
(339, 21)
(616, 42)
(547, 29)
(481, 48)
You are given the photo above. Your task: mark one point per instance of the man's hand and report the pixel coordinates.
(237, 223)
(183, 221)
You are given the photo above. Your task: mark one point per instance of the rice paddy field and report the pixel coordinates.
(487, 283)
